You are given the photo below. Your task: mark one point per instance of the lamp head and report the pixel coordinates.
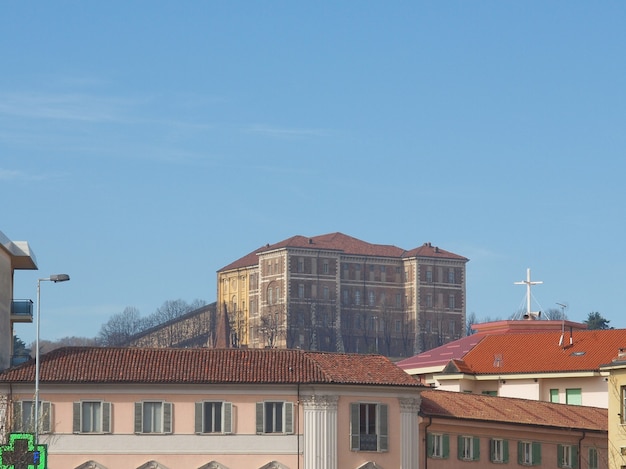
(59, 278)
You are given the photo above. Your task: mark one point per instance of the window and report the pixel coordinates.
(92, 417)
(213, 417)
(277, 292)
(398, 300)
(274, 417)
(368, 427)
(153, 417)
(593, 458)
(269, 295)
(451, 328)
(499, 450)
(554, 395)
(371, 298)
(529, 453)
(567, 456)
(468, 448)
(450, 301)
(24, 416)
(398, 325)
(326, 293)
(325, 268)
(346, 296)
(301, 290)
(450, 275)
(490, 393)
(438, 445)
(429, 276)
(573, 396)
(357, 297)
(300, 264)
(429, 301)
(623, 413)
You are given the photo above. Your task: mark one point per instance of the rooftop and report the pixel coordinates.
(344, 244)
(480, 407)
(204, 366)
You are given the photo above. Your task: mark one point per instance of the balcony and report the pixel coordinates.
(21, 311)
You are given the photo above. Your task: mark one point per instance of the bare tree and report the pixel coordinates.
(117, 330)
(272, 326)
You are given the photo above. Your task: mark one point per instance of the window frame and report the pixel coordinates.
(287, 417)
(468, 448)
(360, 419)
(226, 415)
(166, 414)
(499, 450)
(574, 396)
(22, 424)
(104, 411)
(438, 445)
(529, 453)
(592, 457)
(567, 456)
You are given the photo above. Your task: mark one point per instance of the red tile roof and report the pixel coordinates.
(480, 407)
(345, 244)
(441, 355)
(201, 366)
(541, 352)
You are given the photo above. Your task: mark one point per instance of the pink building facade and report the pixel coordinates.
(217, 409)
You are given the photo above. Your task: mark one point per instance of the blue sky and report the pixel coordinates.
(145, 145)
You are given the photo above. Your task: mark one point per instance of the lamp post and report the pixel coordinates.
(53, 278)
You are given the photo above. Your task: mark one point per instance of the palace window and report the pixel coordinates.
(213, 417)
(368, 427)
(567, 456)
(274, 417)
(468, 448)
(499, 450)
(92, 417)
(438, 445)
(529, 453)
(153, 417)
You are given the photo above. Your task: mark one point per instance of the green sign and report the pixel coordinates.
(23, 453)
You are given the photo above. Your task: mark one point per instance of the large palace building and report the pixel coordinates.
(337, 293)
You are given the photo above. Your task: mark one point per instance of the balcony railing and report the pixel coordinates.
(22, 311)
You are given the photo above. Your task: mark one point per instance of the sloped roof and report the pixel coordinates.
(481, 407)
(204, 366)
(541, 352)
(439, 356)
(345, 244)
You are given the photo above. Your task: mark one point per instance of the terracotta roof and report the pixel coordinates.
(202, 365)
(464, 406)
(541, 353)
(439, 356)
(345, 244)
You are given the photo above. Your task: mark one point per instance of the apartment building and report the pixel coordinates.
(616, 369)
(159, 408)
(337, 293)
(14, 255)
(475, 430)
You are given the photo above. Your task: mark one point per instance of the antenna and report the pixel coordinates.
(529, 314)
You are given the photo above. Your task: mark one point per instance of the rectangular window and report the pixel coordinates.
(529, 453)
(277, 292)
(371, 298)
(213, 417)
(301, 290)
(573, 396)
(300, 264)
(450, 275)
(451, 328)
(438, 445)
(398, 300)
(429, 301)
(398, 325)
(274, 417)
(153, 417)
(92, 417)
(499, 450)
(593, 458)
(325, 268)
(368, 427)
(623, 395)
(450, 301)
(468, 448)
(24, 416)
(567, 456)
(554, 395)
(326, 293)
(357, 297)
(429, 276)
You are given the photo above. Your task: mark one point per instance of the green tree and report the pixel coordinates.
(596, 321)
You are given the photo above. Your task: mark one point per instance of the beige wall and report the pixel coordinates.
(617, 430)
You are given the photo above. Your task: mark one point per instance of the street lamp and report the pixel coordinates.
(53, 278)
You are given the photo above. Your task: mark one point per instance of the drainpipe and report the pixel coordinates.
(580, 449)
(430, 422)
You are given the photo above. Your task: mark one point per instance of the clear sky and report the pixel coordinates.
(145, 145)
